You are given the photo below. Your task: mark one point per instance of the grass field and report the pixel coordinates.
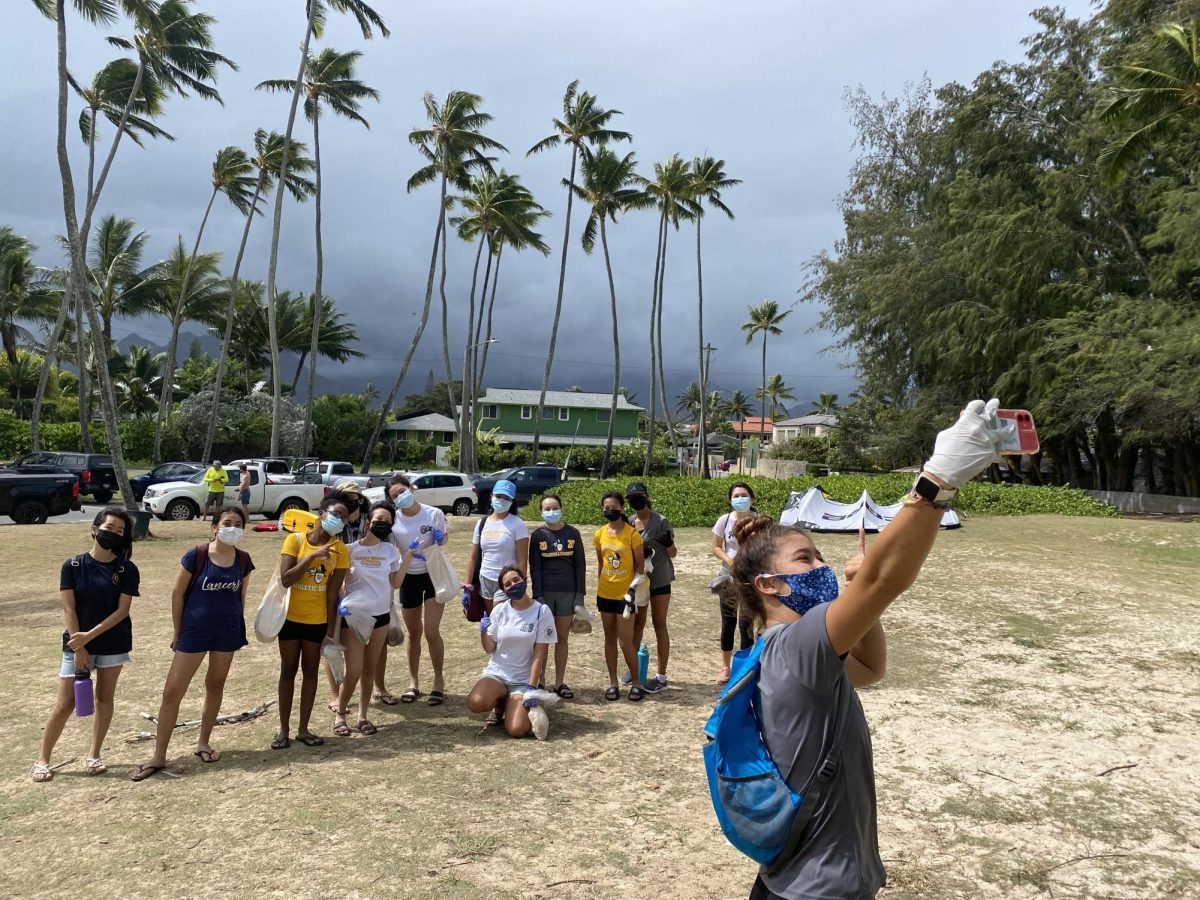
(1037, 735)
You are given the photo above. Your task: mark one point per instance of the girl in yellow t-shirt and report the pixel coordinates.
(619, 562)
(313, 566)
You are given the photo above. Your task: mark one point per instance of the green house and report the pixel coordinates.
(569, 417)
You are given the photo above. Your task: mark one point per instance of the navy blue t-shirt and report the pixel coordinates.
(98, 587)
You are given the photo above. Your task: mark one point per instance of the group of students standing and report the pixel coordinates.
(533, 587)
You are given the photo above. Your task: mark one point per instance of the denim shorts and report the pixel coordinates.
(514, 687)
(102, 661)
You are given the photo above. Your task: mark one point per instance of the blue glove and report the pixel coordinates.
(466, 598)
(343, 610)
(529, 702)
(413, 546)
(439, 536)
(485, 623)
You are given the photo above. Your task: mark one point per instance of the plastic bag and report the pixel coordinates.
(537, 715)
(582, 623)
(334, 655)
(272, 612)
(442, 574)
(362, 623)
(395, 627)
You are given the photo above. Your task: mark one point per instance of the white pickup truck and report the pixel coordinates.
(181, 500)
(332, 472)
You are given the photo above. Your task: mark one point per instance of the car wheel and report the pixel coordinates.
(30, 512)
(463, 507)
(181, 510)
(291, 503)
(102, 497)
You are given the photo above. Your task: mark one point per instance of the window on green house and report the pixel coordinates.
(547, 412)
(564, 414)
(489, 411)
(448, 436)
(526, 412)
(603, 415)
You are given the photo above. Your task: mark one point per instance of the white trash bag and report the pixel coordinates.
(351, 609)
(537, 714)
(273, 610)
(442, 574)
(334, 655)
(395, 627)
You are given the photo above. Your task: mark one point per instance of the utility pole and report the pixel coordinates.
(702, 429)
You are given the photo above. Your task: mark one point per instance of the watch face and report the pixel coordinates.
(926, 488)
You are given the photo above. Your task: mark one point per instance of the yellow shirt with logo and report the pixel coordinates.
(215, 479)
(307, 604)
(616, 561)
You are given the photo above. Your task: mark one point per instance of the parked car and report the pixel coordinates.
(94, 470)
(30, 499)
(530, 481)
(333, 473)
(172, 471)
(451, 492)
(182, 500)
(277, 470)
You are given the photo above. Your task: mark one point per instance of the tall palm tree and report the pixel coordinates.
(1150, 94)
(328, 80)
(120, 285)
(688, 402)
(670, 191)
(738, 408)
(708, 180)
(233, 176)
(268, 163)
(583, 123)
(453, 147)
(137, 378)
(609, 187)
(826, 404)
(336, 336)
(26, 294)
(317, 10)
(775, 391)
(764, 319)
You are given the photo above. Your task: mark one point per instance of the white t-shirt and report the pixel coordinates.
(370, 571)
(724, 530)
(515, 632)
(498, 543)
(416, 528)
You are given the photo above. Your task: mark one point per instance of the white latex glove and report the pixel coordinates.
(637, 580)
(970, 445)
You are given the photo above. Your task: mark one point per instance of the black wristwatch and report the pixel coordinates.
(933, 493)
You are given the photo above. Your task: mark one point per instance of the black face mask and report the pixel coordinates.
(638, 502)
(612, 514)
(109, 540)
(381, 530)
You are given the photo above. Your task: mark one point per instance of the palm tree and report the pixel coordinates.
(583, 123)
(708, 180)
(26, 295)
(453, 147)
(268, 163)
(670, 191)
(775, 391)
(233, 176)
(137, 379)
(329, 80)
(608, 189)
(689, 400)
(368, 21)
(335, 334)
(120, 286)
(826, 404)
(1151, 94)
(764, 319)
(738, 408)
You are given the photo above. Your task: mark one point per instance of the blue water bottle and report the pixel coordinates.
(643, 663)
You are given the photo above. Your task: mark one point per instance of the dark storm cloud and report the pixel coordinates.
(756, 83)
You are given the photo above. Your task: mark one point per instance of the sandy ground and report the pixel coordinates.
(1036, 736)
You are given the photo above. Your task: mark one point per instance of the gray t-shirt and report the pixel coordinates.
(659, 535)
(800, 674)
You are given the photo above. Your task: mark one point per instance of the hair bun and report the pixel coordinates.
(748, 527)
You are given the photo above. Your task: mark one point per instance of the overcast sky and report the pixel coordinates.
(758, 83)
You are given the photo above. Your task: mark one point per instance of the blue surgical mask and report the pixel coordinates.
(552, 516)
(404, 499)
(740, 504)
(332, 525)
(808, 589)
(500, 505)
(515, 591)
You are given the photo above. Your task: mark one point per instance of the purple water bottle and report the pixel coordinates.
(85, 700)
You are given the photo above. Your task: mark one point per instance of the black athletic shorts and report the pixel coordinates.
(610, 606)
(660, 591)
(416, 589)
(380, 622)
(298, 631)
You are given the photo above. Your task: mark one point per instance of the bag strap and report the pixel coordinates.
(201, 561)
(479, 556)
(825, 772)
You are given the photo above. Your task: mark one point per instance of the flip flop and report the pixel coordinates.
(386, 700)
(409, 696)
(141, 773)
(436, 698)
(281, 743)
(42, 773)
(95, 766)
(208, 756)
(311, 740)
(366, 727)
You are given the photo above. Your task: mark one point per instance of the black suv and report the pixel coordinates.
(530, 481)
(95, 471)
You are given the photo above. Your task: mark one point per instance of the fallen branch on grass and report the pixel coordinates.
(1071, 862)
(572, 881)
(995, 775)
(1116, 769)
(228, 719)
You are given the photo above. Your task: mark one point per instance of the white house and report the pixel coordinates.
(804, 426)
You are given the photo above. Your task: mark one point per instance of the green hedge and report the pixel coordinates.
(137, 438)
(693, 502)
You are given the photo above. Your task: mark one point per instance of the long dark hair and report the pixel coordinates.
(741, 484)
(125, 550)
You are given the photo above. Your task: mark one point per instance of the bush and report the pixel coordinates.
(694, 503)
(822, 451)
(627, 459)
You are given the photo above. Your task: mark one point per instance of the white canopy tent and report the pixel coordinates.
(816, 512)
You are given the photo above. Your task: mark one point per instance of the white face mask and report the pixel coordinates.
(229, 534)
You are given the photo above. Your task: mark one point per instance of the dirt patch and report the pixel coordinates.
(1036, 736)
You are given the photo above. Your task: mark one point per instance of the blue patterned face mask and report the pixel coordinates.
(808, 589)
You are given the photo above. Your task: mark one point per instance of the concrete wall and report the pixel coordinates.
(1148, 503)
(771, 468)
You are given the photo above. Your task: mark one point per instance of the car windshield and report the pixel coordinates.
(197, 478)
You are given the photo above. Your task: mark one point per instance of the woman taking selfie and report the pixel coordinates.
(208, 611)
(818, 643)
(97, 589)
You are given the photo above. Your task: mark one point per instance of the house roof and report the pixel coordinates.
(753, 425)
(571, 399)
(817, 419)
(427, 422)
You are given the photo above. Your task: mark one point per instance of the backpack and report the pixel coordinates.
(756, 809)
(240, 556)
